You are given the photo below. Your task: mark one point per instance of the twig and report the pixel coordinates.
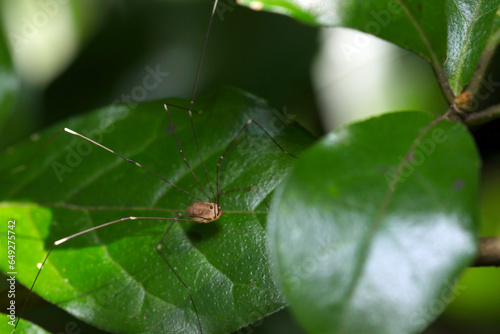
(489, 252)
(484, 116)
(444, 83)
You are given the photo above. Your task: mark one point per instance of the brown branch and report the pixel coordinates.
(444, 83)
(488, 254)
(484, 116)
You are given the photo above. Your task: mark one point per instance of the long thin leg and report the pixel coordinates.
(180, 107)
(198, 70)
(250, 121)
(130, 160)
(63, 240)
(190, 110)
(182, 153)
(158, 249)
(199, 153)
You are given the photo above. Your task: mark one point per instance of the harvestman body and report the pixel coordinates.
(199, 211)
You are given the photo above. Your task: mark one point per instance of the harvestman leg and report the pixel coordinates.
(248, 122)
(217, 200)
(158, 250)
(184, 157)
(216, 195)
(63, 240)
(198, 70)
(159, 246)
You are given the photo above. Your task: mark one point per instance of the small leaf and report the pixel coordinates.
(367, 243)
(114, 278)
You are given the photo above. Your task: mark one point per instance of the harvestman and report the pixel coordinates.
(200, 211)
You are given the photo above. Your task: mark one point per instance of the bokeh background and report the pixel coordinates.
(61, 58)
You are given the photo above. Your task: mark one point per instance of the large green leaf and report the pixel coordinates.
(368, 242)
(450, 34)
(114, 278)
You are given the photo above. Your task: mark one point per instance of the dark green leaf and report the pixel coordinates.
(367, 243)
(114, 278)
(450, 34)
(469, 25)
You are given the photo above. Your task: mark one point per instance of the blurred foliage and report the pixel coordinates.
(135, 35)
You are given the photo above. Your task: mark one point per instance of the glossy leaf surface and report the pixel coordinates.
(366, 241)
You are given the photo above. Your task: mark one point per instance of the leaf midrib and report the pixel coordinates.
(374, 227)
(435, 62)
(464, 49)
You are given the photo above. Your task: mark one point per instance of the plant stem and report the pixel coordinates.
(444, 83)
(488, 253)
(484, 116)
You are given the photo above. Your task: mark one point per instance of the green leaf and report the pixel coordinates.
(366, 243)
(470, 24)
(451, 34)
(23, 327)
(114, 278)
